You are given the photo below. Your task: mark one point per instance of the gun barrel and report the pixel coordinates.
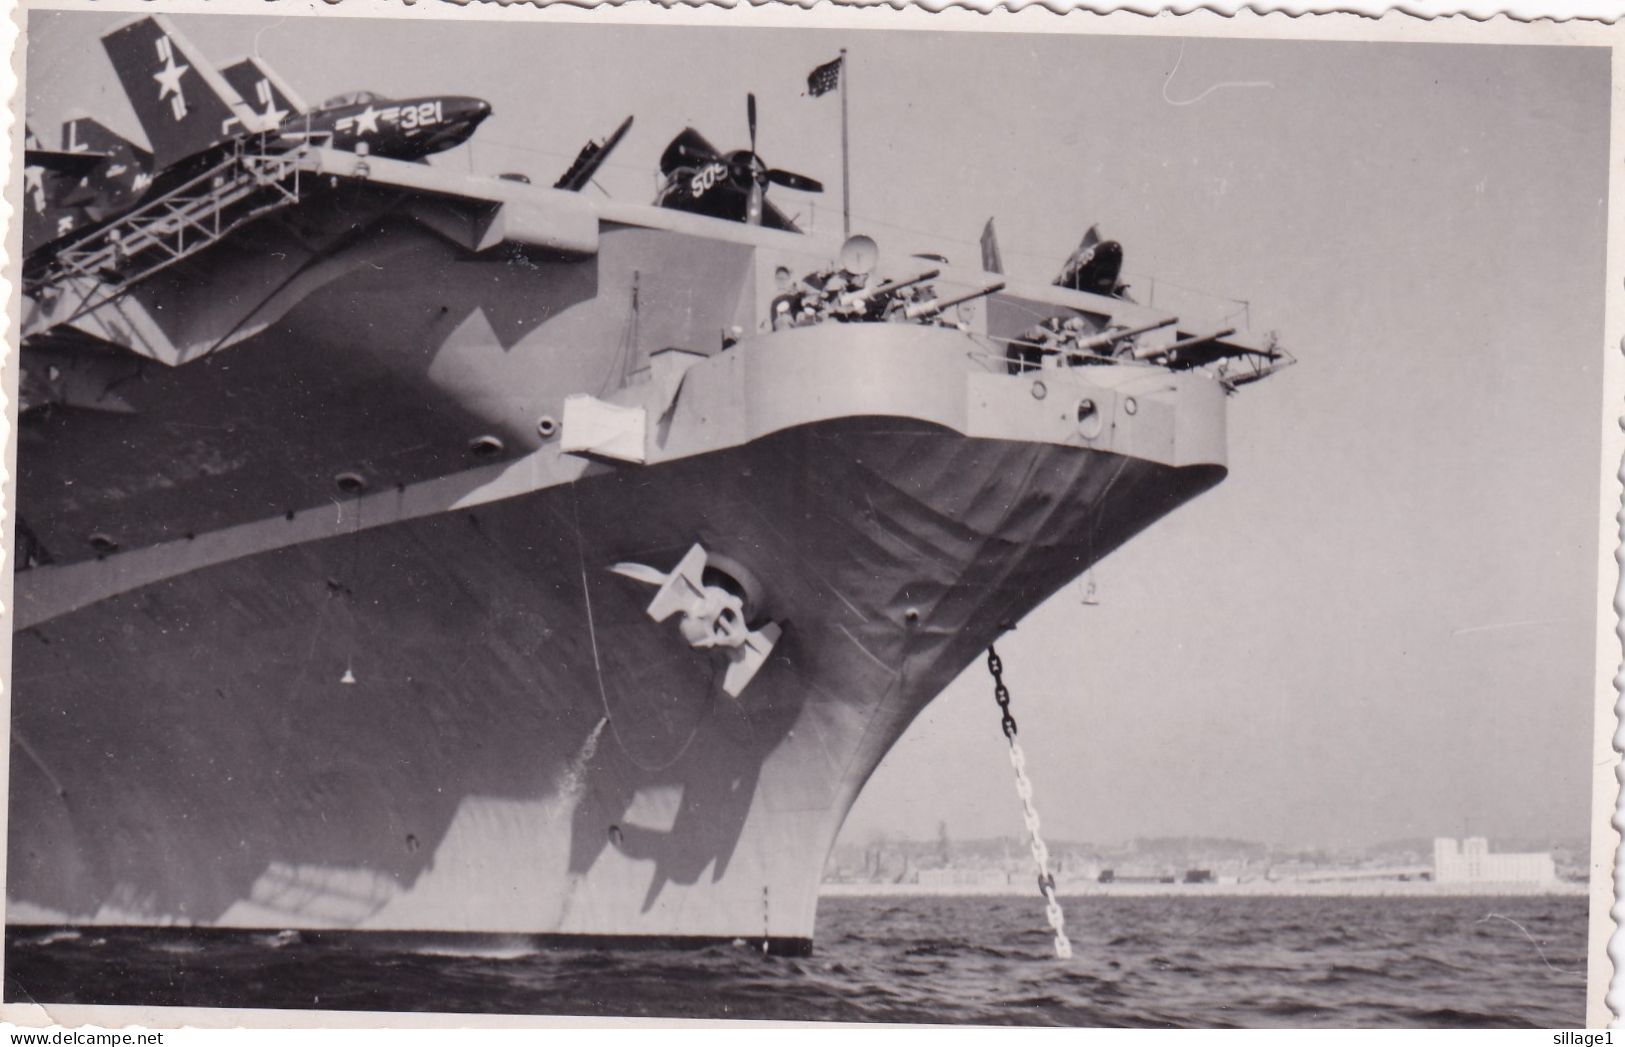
(923, 310)
(1106, 338)
(1168, 350)
(898, 285)
(869, 294)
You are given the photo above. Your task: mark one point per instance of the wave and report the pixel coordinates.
(477, 952)
(934, 960)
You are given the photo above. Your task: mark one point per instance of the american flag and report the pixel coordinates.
(825, 78)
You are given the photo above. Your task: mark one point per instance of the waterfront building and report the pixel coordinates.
(1471, 861)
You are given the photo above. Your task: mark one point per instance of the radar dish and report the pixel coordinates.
(859, 254)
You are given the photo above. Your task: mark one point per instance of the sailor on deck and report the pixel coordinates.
(785, 310)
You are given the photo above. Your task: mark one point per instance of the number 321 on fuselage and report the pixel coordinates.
(405, 129)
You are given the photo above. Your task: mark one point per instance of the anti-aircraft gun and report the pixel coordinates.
(871, 303)
(937, 306)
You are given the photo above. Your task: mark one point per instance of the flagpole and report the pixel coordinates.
(846, 168)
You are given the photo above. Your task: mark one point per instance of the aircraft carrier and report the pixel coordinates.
(344, 527)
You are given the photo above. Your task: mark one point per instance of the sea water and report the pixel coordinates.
(1162, 961)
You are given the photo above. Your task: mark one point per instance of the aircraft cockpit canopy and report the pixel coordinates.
(353, 98)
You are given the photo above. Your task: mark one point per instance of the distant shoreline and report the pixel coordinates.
(1253, 888)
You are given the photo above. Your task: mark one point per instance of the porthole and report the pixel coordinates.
(486, 446)
(546, 427)
(1090, 420)
(351, 483)
(1040, 390)
(1131, 406)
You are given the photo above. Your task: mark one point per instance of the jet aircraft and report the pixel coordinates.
(404, 129)
(187, 107)
(47, 176)
(95, 173)
(192, 113)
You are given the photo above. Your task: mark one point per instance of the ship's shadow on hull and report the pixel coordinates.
(316, 394)
(511, 694)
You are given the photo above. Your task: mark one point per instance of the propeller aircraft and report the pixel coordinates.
(731, 186)
(1094, 267)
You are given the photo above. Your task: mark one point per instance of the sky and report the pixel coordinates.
(1381, 624)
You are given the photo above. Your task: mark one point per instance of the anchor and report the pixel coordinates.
(712, 616)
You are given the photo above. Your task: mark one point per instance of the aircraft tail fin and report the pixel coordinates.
(84, 134)
(182, 101)
(125, 174)
(265, 92)
(991, 262)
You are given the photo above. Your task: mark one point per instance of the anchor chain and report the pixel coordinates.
(1029, 814)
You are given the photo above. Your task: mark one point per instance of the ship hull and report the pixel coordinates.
(522, 749)
(319, 629)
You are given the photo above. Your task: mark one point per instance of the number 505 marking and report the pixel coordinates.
(701, 183)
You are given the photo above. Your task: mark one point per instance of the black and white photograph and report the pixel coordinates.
(810, 515)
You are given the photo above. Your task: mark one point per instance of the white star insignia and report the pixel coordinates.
(34, 186)
(169, 83)
(366, 122)
(267, 97)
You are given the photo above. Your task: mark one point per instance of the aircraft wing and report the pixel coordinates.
(1205, 353)
(86, 134)
(58, 162)
(590, 159)
(688, 149)
(773, 218)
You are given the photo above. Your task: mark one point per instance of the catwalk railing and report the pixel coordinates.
(109, 260)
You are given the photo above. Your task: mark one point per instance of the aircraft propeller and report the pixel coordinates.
(755, 168)
(746, 165)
